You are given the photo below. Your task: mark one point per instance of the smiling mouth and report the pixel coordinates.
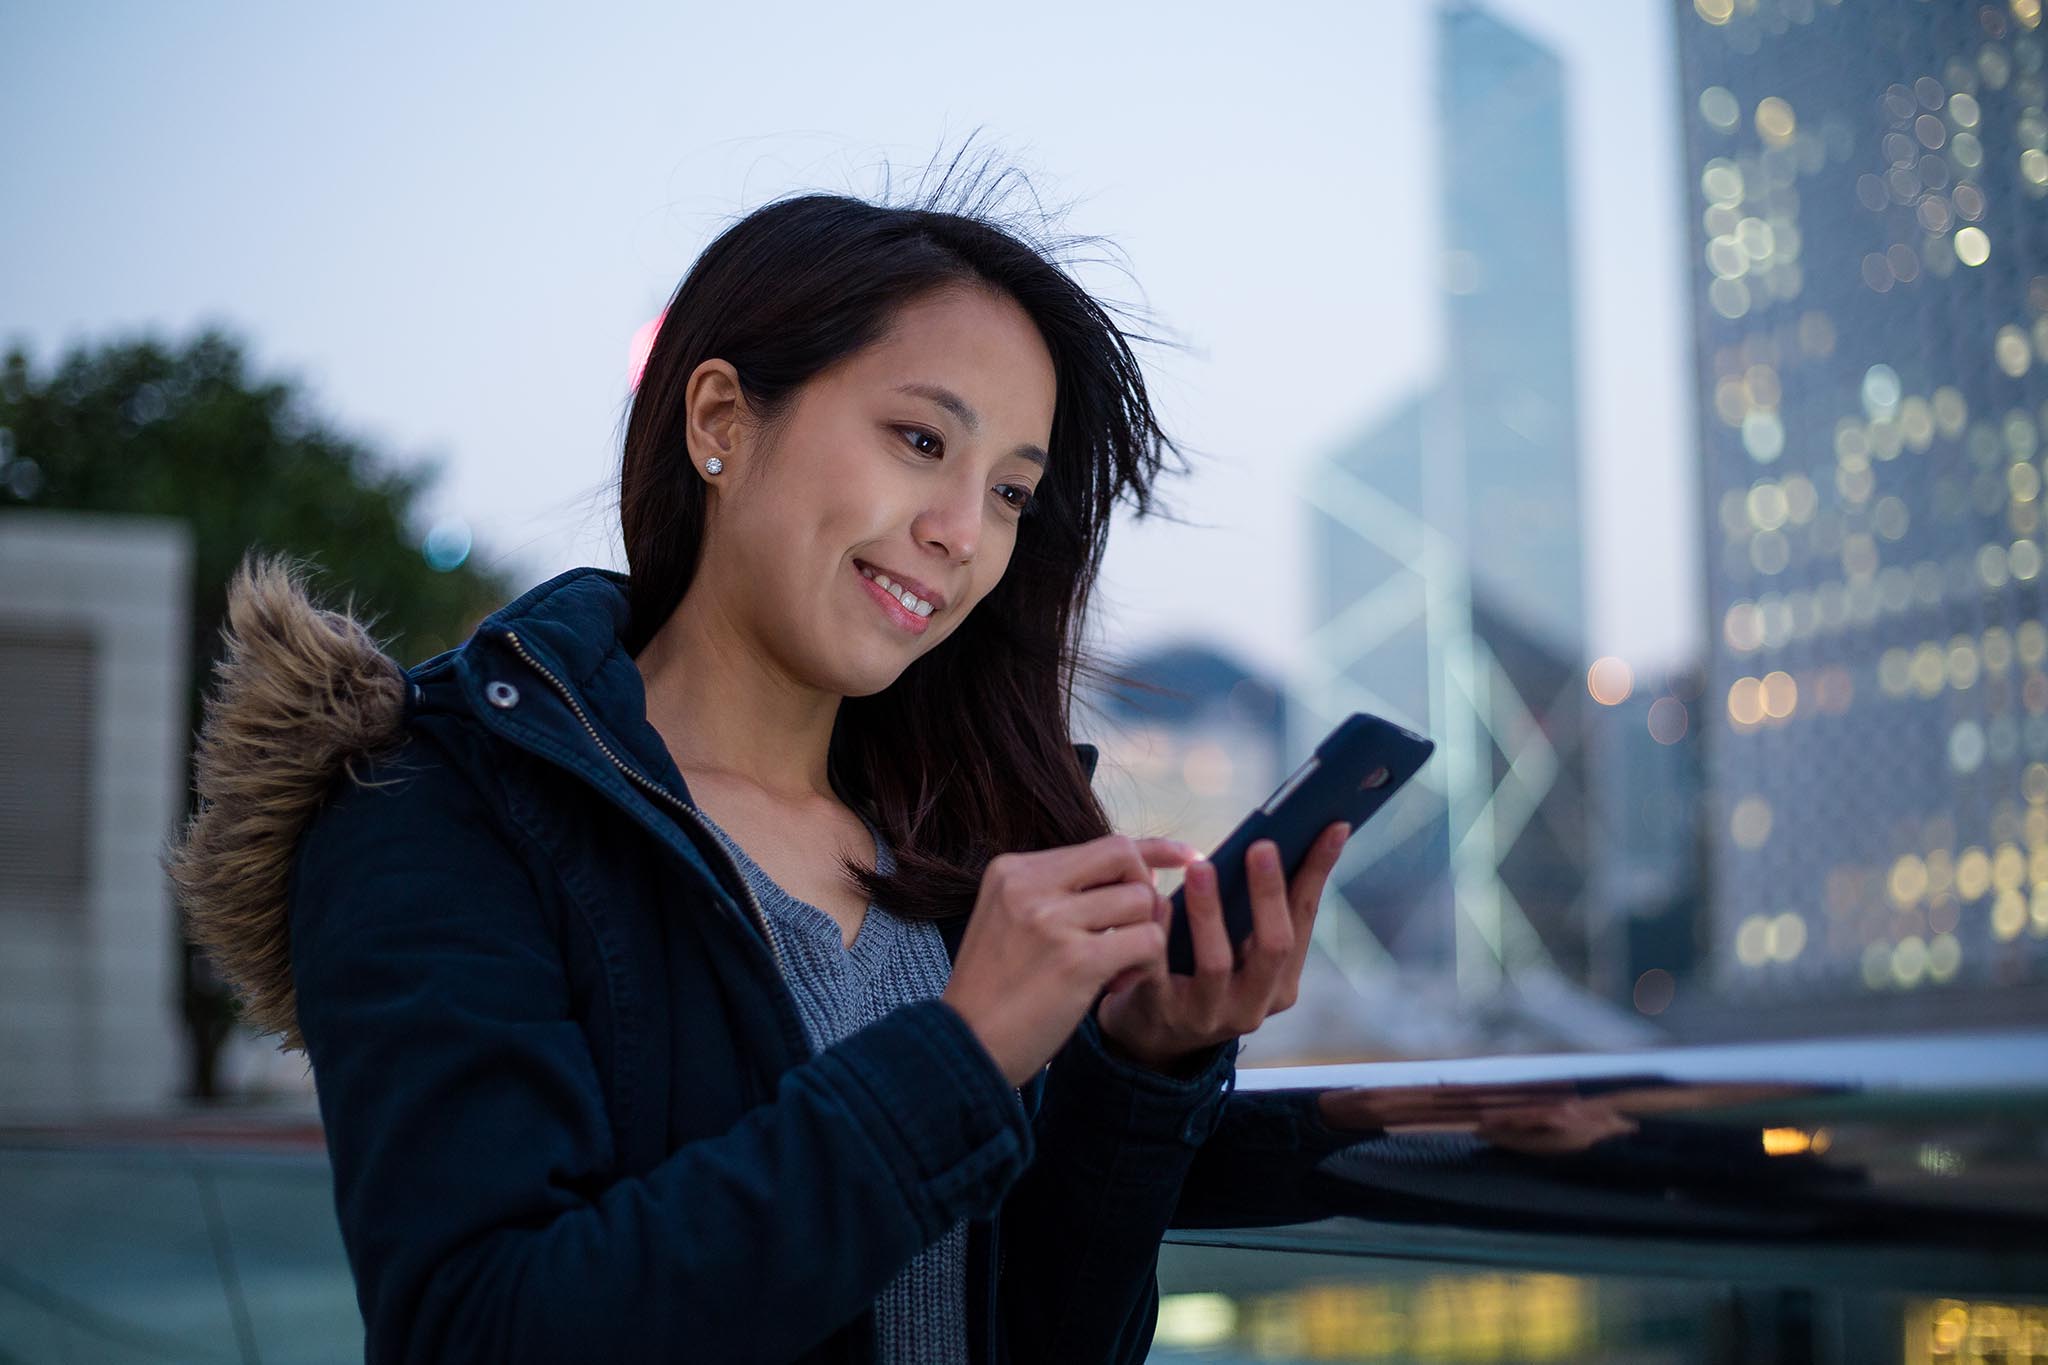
(910, 601)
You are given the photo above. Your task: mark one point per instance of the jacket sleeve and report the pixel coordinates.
(1080, 1230)
(472, 1150)
(1258, 1167)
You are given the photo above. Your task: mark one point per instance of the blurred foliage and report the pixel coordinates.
(135, 427)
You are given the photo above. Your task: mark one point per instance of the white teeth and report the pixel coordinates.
(910, 600)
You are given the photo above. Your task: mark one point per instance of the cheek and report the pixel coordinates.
(989, 575)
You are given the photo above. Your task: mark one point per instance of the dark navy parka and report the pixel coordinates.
(571, 1111)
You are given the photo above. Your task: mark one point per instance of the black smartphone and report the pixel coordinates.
(1349, 777)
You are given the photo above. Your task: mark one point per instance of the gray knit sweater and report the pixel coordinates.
(922, 1314)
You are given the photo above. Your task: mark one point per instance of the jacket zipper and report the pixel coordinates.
(998, 1351)
(653, 788)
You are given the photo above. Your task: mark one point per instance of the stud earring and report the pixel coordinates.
(713, 465)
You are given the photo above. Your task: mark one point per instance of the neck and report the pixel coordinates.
(728, 710)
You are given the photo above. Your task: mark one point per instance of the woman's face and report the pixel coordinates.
(909, 460)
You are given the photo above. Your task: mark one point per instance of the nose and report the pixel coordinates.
(951, 521)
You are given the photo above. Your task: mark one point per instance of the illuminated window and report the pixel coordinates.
(1973, 874)
(1950, 411)
(1966, 747)
(1881, 392)
(1774, 121)
(1909, 960)
(1746, 707)
(1930, 669)
(1944, 955)
(1763, 435)
(1992, 566)
(1780, 694)
(1750, 822)
(1718, 108)
(2011, 351)
(1962, 662)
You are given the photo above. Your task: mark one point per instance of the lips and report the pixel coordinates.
(909, 584)
(891, 605)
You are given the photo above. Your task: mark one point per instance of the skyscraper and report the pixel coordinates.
(1865, 192)
(1445, 554)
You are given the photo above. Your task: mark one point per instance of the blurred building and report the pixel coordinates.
(1648, 896)
(1867, 197)
(93, 686)
(1447, 577)
(1188, 746)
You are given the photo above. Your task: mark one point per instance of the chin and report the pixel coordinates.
(865, 677)
(878, 670)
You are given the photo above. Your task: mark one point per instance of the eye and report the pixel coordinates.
(1021, 502)
(937, 444)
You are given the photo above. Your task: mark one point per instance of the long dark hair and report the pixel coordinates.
(968, 754)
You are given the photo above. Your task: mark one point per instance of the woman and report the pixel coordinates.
(681, 958)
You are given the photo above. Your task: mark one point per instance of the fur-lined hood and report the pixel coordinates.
(300, 694)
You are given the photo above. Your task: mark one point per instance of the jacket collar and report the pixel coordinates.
(568, 633)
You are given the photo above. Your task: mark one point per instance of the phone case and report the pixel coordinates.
(1349, 777)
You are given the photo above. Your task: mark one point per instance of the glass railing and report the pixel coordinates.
(1867, 1200)
(1875, 1199)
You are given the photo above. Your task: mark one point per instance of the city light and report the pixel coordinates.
(1610, 680)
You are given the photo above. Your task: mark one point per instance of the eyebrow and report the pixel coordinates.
(969, 418)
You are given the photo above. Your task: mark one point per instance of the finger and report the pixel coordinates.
(1272, 930)
(1131, 977)
(1116, 858)
(1305, 897)
(1127, 946)
(1112, 906)
(1205, 922)
(1305, 893)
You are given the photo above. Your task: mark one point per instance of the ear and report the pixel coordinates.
(713, 405)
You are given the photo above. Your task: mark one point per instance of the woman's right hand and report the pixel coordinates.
(1050, 930)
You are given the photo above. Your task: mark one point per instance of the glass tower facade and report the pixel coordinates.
(1865, 189)
(1445, 547)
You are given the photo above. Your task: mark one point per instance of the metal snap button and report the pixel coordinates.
(501, 693)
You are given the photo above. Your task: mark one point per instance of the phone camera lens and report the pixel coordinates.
(1376, 778)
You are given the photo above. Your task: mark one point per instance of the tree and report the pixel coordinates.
(135, 426)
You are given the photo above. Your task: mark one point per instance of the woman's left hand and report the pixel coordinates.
(1159, 1018)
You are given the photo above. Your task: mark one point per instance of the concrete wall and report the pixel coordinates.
(94, 646)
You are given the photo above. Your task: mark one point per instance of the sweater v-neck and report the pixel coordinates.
(868, 939)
